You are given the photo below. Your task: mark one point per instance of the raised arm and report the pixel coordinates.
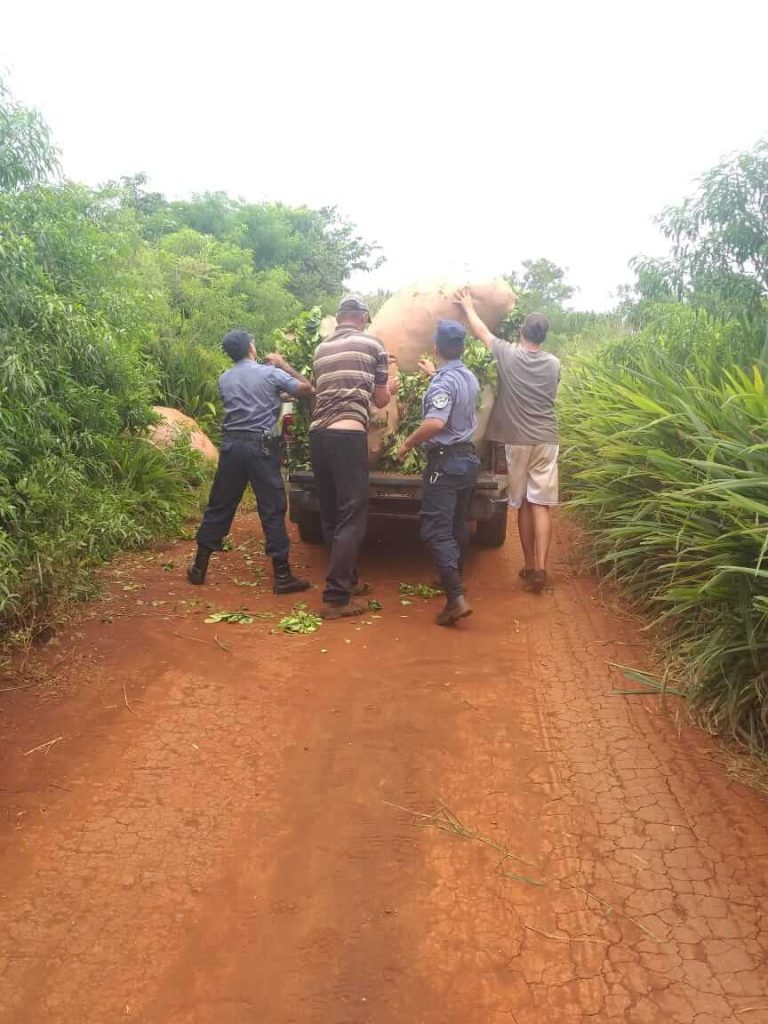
(304, 389)
(476, 326)
(383, 392)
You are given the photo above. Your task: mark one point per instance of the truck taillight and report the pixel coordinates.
(288, 426)
(500, 459)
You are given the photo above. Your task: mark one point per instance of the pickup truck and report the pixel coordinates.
(394, 496)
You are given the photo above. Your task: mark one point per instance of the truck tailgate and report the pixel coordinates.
(396, 481)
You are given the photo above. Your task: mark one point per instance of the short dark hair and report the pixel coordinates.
(236, 344)
(450, 350)
(449, 339)
(535, 327)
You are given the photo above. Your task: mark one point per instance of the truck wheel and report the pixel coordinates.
(491, 533)
(310, 529)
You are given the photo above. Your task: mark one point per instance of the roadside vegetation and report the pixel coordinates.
(115, 299)
(665, 433)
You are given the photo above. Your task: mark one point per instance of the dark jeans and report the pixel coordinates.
(247, 460)
(340, 466)
(447, 487)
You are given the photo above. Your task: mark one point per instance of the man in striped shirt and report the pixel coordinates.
(351, 370)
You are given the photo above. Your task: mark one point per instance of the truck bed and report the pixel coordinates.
(397, 496)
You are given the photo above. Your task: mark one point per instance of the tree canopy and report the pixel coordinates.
(543, 283)
(26, 152)
(317, 248)
(719, 240)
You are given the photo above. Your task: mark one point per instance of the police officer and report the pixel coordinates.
(450, 419)
(250, 454)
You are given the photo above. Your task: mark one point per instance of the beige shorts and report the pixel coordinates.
(532, 471)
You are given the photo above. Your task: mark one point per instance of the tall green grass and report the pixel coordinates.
(666, 463)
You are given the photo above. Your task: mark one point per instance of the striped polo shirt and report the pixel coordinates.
(347, 367)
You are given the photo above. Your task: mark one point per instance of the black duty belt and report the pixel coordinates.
(247, 435)
(438, 450)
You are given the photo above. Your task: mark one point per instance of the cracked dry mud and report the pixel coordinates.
(224, 836)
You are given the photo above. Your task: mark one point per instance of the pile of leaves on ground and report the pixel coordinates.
(298, 341)
(666, 460)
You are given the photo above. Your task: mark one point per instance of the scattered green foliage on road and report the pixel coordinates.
(234, 618)
(421, 590)
(301, 620)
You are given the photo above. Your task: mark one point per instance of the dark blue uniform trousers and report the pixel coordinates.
(243, 461)
(447, 487)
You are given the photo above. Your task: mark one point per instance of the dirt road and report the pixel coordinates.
(382, 823)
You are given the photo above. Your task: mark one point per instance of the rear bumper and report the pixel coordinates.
(399, 497)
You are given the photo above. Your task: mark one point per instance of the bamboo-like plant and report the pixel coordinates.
(666, 461)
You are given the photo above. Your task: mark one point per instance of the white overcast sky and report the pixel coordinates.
(462, 137)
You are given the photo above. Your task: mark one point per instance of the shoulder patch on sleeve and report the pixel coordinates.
(440, 400)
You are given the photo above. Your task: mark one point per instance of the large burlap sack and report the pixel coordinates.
(487, 398)
(327, 327)
(406, 323)
(175, 424)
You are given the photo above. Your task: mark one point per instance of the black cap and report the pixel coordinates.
(236, 344)
(353, 304)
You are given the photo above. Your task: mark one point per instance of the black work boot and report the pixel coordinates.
(439, 584)
(456, 608)
(456, 605)
(197, 570)
(285, 581)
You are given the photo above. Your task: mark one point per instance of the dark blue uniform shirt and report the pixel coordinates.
(251, 392)
(452, 398)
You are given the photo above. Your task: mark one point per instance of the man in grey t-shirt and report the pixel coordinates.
(523, 419)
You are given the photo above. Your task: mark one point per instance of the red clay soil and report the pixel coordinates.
(381, 823)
